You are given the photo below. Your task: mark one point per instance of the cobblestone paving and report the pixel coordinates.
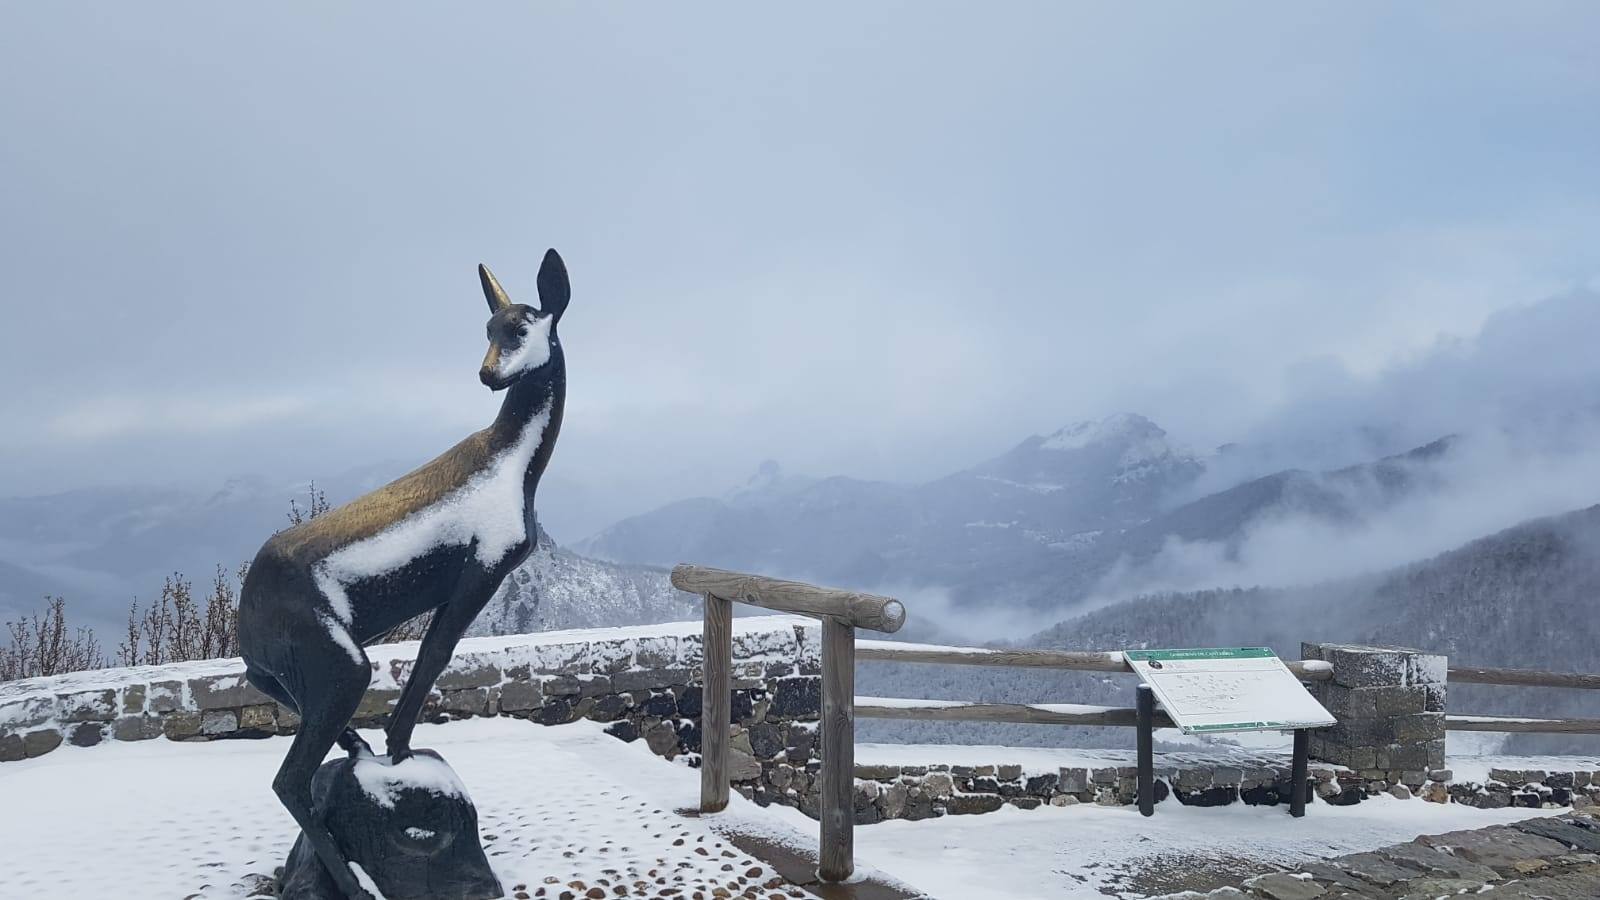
(1547, 858)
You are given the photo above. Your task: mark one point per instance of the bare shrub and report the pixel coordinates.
(44, 645)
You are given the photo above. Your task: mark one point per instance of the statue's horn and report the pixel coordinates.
(492, 291)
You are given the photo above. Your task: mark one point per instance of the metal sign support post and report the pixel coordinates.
(1297, 774)
(1147, 738)
(1146, 714)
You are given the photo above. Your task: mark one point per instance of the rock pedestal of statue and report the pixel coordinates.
(410, 826)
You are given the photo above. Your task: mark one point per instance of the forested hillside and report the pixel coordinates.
(1525, 597)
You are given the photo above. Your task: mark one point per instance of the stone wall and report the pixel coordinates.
(643, 683)
(642, 680)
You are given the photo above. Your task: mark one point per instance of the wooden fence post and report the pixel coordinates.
(837, 857)
(716, 703)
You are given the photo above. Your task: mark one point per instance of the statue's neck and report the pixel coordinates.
(539, 394)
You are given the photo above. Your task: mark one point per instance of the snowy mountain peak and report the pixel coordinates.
(1130, 427)
(768, 481)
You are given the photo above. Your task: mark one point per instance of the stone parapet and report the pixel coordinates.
(643, 678)
(1390, 707)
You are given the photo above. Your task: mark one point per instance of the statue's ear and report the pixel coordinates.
(492, 291)
(554, 289)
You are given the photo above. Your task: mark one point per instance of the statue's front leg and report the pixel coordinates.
(450, 622)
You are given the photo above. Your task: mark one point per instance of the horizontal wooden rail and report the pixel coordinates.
(1520, 724)
(1031, 714)
(1523, 677)
(852, 608)
(1081, 660)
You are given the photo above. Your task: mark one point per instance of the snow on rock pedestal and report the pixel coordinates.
(410, 826)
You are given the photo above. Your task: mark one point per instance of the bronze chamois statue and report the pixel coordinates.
(441, 538)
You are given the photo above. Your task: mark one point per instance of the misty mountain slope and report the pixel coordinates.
(1343, 497)
(101, 547)
(1523, 597)
(1058, 519)
(556, 589)
(1022, 508)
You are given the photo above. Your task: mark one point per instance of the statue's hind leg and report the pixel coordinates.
(327, 677)
(349, 741)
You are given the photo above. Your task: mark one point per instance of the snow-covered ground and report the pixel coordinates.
(167, 820)
(157, 819)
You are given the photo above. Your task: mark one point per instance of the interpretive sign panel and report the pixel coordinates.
(1238, 689)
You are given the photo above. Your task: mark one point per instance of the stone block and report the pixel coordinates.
(796, 698)
(28, 712)
(376, 703)
(1227, 775)
(86, 734)
(1378, 702)
(139, 727)
(555, 711)
(939, 785)
(645, 679)
(742, 766)
(288, 719)
(1043, 785)
(219, 721)
(562, 686)
(1358, 666)
(164, 696)
(594, 685)
(40, 742)
(224, 692)
(87, 706)
(1420, 727)
(181, 724)
(11, 748)
(1436, 698)
(469, 672)
(877, 773)
(520, 696)
(662, 739)
(610, 707)
(1073, 780)
(972, 804)
(259, 718)
(133, 698)
(1009, 772)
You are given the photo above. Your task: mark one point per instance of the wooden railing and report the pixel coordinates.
(1522, 678)
(841, 612)
(1082, 660)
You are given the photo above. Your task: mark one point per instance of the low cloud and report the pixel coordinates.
(1488, 481)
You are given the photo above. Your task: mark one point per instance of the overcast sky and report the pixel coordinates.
(878, 239)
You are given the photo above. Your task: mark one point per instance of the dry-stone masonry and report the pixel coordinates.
(1390, 707)
(644, 684)
(642, 681)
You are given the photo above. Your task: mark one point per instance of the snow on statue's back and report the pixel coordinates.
(441, 538)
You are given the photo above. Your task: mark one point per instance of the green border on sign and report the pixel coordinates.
(1201, 653)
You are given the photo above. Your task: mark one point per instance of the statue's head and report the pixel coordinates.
(523, 339)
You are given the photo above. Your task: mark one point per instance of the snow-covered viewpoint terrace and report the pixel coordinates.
(568, 805)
